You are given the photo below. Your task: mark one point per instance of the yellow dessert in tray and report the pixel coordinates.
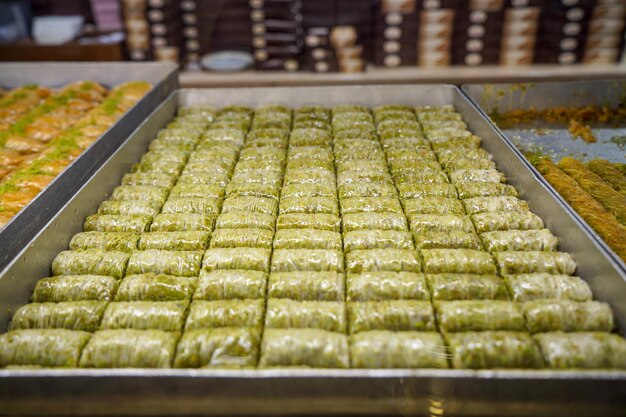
(42, 131)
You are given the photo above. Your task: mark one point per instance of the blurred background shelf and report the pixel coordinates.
(329, 42)
(27, 50)
(404, 75)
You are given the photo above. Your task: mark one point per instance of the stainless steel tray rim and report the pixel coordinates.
(280, 373)
(56, 74)
(312, 391)
(362, 94)
(579, 89)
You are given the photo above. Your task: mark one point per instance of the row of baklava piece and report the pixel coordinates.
(285, 344)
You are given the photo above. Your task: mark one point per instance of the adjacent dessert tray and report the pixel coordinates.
(574, 136)
(58, 123)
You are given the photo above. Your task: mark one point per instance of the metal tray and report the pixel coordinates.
(554, 139)
(31, 219)
(313, 392)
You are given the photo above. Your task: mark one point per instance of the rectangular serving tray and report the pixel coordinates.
(315, 391)
(555, 140)
(31, 219)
